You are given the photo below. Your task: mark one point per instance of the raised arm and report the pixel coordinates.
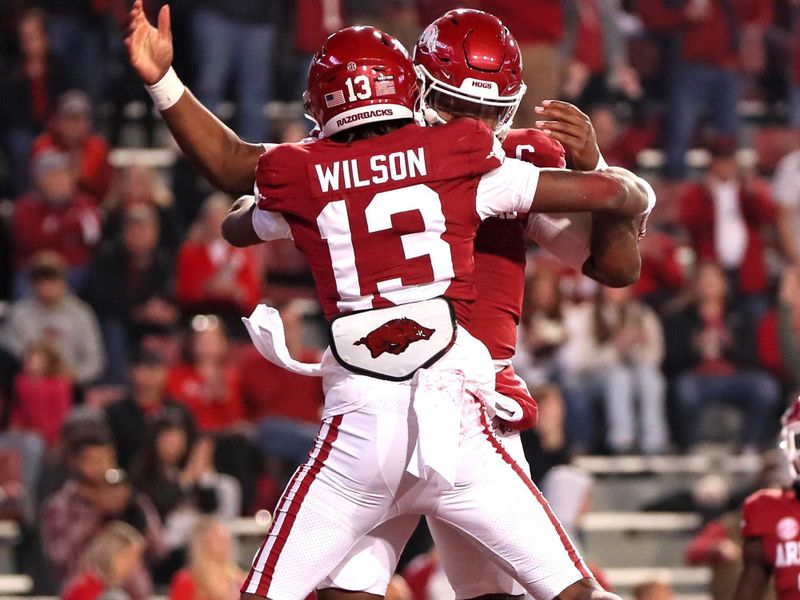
(612, 191)
(516, 186)
(227, 161)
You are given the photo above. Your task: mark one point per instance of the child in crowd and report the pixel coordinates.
(110, 559)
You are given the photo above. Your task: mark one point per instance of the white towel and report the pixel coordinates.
(438, 397)
(266, 330)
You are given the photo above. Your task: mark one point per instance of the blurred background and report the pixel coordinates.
(143, 440)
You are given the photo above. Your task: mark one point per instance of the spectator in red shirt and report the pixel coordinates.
(723, 215)
(211, 275)
(712, 40)
(43, 393)
(54, 216)
(210, 386)
(70, 131)
(206, 382)
(114, 555)
(212, 572)
(712, 351)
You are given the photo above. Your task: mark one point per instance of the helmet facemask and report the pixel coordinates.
(790, 448)
(435, 95)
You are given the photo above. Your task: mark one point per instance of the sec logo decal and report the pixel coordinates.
(787, 528)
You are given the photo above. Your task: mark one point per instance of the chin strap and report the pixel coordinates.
(502, 131)
(432, 117)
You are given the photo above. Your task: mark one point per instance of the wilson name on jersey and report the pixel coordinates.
(386, 220)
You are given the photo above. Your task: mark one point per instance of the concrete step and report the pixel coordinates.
(634, 539)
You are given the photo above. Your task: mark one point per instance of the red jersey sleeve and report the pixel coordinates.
(758, 514)
(533, 146)
(279, 177)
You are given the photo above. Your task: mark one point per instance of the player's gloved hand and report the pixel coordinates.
(150, 50)
(512, 409)
(566, 123)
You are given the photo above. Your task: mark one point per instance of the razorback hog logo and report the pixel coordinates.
(394, 336)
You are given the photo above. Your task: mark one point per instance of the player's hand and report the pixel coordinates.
(566, 123)
(149, 49)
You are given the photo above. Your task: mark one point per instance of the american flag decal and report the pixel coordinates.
(334, 98)
(384, 87)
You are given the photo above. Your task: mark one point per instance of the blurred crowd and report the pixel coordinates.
(135, 418)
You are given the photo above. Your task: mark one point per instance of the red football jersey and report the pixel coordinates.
(387, 220)
(773, 516)
(500, 254)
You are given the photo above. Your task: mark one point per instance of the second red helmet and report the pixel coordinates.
(470, 65)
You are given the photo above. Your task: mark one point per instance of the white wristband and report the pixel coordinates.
(167, 90)
(601, 163)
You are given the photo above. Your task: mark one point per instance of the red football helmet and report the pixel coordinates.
(790, 438)
(360, 75)
(470, 65)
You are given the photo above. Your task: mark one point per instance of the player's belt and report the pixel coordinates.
(393, 343)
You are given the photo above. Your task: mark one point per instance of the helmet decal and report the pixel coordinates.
(429, 37)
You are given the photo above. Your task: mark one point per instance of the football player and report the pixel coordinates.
(385, 211)
(343, 174)
(771, 526)
(470, 66)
